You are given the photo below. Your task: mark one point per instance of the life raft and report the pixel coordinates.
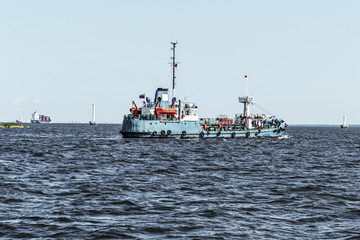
(166, 111)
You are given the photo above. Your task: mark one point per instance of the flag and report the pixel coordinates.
(142, 96)
(175, 65)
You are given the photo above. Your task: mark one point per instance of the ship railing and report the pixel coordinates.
(246, 99)
(148, 117)
(237, 128)
(242, 125)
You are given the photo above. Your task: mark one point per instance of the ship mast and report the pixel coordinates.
(173, 67)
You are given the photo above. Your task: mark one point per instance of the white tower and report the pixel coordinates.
(344, 125)
(93, 122)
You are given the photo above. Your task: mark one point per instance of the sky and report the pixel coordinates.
(302, 58)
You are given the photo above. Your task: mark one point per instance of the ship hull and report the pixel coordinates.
(39, 121)
(135, 128)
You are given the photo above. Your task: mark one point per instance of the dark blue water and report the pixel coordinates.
(86, 182)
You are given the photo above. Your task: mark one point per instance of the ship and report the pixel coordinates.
(165, 117)
(37, 118)
(19, 120)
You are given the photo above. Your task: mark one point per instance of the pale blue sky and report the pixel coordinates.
(302, 57)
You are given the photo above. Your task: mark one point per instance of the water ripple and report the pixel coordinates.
(73, 181)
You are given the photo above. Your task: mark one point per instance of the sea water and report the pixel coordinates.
(76, 181)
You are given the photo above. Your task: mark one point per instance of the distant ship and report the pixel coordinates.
(165, 118)
(93, 122)
(37, 118)
(344, 125)
(19, 120)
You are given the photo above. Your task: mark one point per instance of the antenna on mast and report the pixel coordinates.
(174, 65)
(247, 85)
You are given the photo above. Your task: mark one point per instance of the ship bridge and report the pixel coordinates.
(162, 96)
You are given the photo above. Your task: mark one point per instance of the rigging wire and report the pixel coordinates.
(279, 116)
(263, 109)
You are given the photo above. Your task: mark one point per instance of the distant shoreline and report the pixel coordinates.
(13, 125)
